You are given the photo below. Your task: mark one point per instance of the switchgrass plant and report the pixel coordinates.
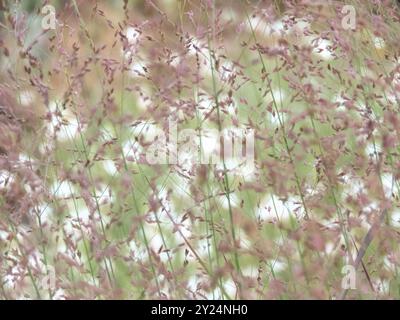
(121, 176)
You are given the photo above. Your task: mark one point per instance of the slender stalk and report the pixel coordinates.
(225, 169)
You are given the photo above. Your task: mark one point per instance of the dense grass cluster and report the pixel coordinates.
(84, 215)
